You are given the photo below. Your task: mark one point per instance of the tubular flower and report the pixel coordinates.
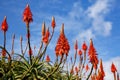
(71, 71)
(4, 26)
(76, 45)
(113, 68)
(93, 77)
(30, 51)
(47, 58)
(101, 73)
(62, 46)
(76, 69)
(80, 52)
(84, 46)
(92, 55)
(3, 53)
(27, 15)
(45, 38)
(53, 24)
(87, 68)
(101, 69)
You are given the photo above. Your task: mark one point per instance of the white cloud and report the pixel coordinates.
(107, 67)
(97, 14)
(85, 35)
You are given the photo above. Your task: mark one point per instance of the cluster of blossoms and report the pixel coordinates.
(62, 46)
(62, 49)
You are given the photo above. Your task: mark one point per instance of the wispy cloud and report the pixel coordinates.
(97, 14)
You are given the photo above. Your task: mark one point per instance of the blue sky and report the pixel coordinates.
(83, 19)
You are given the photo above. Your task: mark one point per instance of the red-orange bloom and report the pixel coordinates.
(80, 52)
(27, 15)
(87, 68)
(30, 51)
(76, 45)
(53, 24)
(62, 46)
(84, 46)
(113, 68)
(45, 38)
(76, 69)
(4, 26)
(101, 68)
(92, 55)
(101, 73)
(3, 53)
(47, 58)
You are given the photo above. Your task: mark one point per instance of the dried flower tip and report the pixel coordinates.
(21, 38)
(62, 29)
(13, 36)
(43, 29)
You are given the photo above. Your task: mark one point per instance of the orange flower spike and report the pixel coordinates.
(47, 58)
(62, 46)
(47, 33)
(53, 24)
(43, 29)
(45, 39)
(113, 68)
(93, 55)
(4, 26)
(101, 68)
(84, 46)
(80, 52)
(76, 45)
(87, 68)
(27, 15)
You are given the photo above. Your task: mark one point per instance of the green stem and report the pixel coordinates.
(4, 39)
(83, 64)
(90, 73)
(28, 33)
(74, 60)
(56, 67)
(44, 50)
